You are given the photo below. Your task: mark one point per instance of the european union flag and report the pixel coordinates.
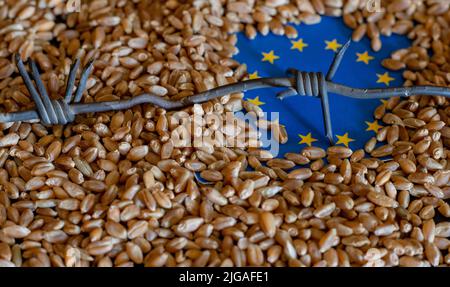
(313, 51)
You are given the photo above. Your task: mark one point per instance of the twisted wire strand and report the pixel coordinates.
(83, 81)
(312, 84)
(50, 112)
(71, 80)
(224, 90)
(337, 60)
(42, 113)
(306, 84)
(48, 105)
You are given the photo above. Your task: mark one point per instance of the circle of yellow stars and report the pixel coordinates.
(333, 45)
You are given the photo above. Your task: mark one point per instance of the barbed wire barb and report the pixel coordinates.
(298, 83)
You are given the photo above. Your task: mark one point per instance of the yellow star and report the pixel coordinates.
(332, 45)
(308, 139)
(345, 140)
(364, 57)
(385, 78)
(253, 75)
(256, 101)
(299, 45)
(373, 126)
(269, 57)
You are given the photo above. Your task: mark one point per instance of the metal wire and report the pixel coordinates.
(50, 112)
(313, 84)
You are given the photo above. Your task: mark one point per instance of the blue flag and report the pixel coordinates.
(313, 51)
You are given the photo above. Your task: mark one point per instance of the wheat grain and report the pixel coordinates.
(118, 189)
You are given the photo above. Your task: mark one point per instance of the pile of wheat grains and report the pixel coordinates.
(118, 188)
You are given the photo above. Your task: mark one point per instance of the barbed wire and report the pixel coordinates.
(313, 84)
